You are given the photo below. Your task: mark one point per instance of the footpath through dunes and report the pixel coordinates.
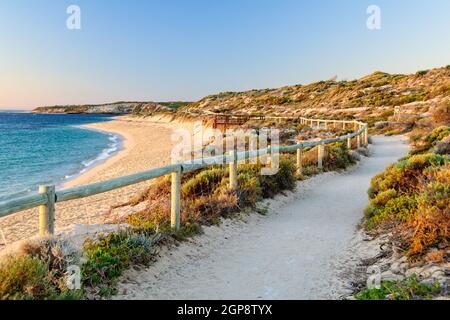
(291, 253)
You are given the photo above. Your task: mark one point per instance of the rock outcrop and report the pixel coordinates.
(141, 108)
(112, 108)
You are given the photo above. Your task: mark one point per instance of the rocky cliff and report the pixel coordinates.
(141, 108)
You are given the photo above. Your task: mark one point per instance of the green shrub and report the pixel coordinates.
(38, 270)
(204, 182)
(420, 162)
(30, 278)
(284, 179)
(394, 193)
(411, 198)
(404, 176)
(249, 191)
(398, 209)
(310, 170)
(337, 156)
(437, 135)
(25, 278)
(109, 255)
(384, 197)
(401, 208)
(407, 289)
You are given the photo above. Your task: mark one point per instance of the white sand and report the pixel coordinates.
(292, 253)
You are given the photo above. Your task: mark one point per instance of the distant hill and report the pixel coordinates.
(369, 97)
(140, 108)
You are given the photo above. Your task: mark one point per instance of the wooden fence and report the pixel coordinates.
(48, 196)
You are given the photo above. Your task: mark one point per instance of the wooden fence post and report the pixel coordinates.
(366, 136)
(299, 160)
(349, 143)
(269, 155)
(175, 201)
(233, 172)
(320, 153)
(358, 141)
(47, 211)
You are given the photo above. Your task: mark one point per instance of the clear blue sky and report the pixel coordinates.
(186, 49)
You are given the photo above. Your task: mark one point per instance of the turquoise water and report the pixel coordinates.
(48, 149)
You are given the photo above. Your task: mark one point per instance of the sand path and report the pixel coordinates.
(291, 253)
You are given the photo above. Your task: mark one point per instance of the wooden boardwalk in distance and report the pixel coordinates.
(224, 121)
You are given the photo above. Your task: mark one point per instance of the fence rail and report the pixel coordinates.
(47, 196)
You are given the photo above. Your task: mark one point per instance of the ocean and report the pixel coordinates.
(48, 149)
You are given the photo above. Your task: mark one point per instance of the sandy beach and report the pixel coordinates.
(147, 144)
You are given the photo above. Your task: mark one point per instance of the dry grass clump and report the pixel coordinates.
(38, 270)
(430, 226)
(412, 198)
(425, 139)
(441, 114)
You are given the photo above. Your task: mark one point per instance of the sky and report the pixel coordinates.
(161, 50)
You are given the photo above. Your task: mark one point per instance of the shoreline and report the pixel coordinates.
(146, 144)
(124, 145)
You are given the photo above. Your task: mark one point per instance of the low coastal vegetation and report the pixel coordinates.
(406, 289)
(413, 197)
(39, 269)
(410, 201)
(206, 196)
(108, 256)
